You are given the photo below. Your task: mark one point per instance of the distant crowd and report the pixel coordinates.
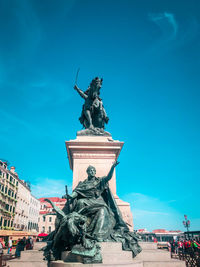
(22, 244)
(184, 246)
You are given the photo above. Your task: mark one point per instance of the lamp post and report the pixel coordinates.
(186, 223)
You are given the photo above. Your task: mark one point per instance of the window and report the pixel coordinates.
(43, 229)
(49, 229)
(50, 219)
(44, 218)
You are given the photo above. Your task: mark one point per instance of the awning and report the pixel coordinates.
(42, 235)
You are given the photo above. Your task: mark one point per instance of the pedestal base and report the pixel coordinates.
(114, 256)
(100, 152)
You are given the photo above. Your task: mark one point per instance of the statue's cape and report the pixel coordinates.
(111, 202)
(83, 190)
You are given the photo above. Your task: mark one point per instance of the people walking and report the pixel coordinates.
(10, 245)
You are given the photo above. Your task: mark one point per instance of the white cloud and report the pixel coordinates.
(46, 187)
(164, 20)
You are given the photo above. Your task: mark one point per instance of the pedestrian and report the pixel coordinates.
(169, 246)
(176, 247)
(31, 242)
(28, 243)
(24, 243)
(19, 248)
(180, 246)
(1, 246)
(10, 245)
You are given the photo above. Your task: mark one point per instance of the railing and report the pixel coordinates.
(190, 256)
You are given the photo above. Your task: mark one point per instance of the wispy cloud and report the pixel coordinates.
(47, 187)
(167, 23)
(173, 34)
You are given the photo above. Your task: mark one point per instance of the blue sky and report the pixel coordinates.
(148, 55)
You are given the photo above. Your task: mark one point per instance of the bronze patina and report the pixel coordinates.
(90, 216)
(93, 116)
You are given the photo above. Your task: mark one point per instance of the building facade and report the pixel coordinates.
(22, 206)
(34, 210)
(47, 216)
(8, 196)
(19, 209)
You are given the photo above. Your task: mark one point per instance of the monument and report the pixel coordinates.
(94, 145)
(93, 213)
(93, 229)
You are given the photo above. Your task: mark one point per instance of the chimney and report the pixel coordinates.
(12, 169)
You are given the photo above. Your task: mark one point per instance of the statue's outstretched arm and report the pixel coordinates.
(110, 174)
(81, 93)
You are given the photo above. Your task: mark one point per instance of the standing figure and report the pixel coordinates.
(9, 245)
(93, 114)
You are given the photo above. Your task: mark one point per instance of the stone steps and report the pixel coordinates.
(148, 245)
(19, 263)
(112, 254)
(171, 263)
(31, 255)
(77, 264)
(152, 255)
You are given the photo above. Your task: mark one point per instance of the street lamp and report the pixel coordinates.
(186, 223)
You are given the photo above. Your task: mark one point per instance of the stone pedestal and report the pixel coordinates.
(100, 152)
(114, 256)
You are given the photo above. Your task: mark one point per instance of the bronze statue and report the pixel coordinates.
(90, 215)
(93, 116)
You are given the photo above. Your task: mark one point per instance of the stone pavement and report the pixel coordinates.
(30, 258)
